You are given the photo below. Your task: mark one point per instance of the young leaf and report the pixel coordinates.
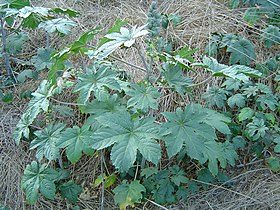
(96, 78)
(256, 129)
(45, 142)
(43, 59)
(125, 37)
(60, 24)
(143, 97)
(38, 103)
(128, 194)
(178, 176)
(267, 101)
(38, 178)
(231, 84)
(215, 96)
(252, 15)
(271, 36)
(76, 140)
(242, 52)
(70, 191)
(274, 163)
(128, 135)
(237, 100)
(246, 114)
(233, 4)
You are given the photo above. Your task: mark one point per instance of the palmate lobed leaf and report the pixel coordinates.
(128, 194)
(194, 128)
(60, 25)
(38, 178)
(43, 59)
(70, 190)
(127, 136)
(76, 140)
(46, 142)
(96, 79)
(143, 97)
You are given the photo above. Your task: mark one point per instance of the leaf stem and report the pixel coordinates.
(103, 184)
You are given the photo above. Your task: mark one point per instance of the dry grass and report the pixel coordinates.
(251, 189)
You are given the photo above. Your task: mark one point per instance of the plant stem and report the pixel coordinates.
(6, 56)
(103, 184)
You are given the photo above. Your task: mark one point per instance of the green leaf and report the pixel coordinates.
(128, 194)
(38, 103)
(143, 97)
(242, 52)
(70, 191)
(256, 129)
(127, 135)
(175, 78)
(38, 178)
(178, 176)
(110, 104)
(271, 36)
(194, 129)
(164, 193)
(237, 100)
(233, 4)
(108, 180)
(76, 140)
(60, 24)
(215, 96)
(69, 12)
(96, 78)
(124, 38)
(238, 142)
(267, 101)
(232, 84)
(26, 74)
(77, 46)
(246, 114)
(147, 172)
(274, 163)
(43, 59)
(15, 42)
(228, 40)
(205, 175)
(45, 142)
(252, 15)
(238, 72)
(277, 146)
(7, 98)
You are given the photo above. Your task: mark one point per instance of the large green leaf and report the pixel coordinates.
(76, 140)
(239, 72)
(38, 103)
(127, 135)
(45, 142)
(96, 79)
(143, 97)
(38, 178)
(175, 78)
(43, 58)
(60, 24)
(242, 52)
(128, 194)
(70, 191)
(194, 128)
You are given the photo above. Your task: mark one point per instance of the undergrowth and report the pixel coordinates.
(120, 117)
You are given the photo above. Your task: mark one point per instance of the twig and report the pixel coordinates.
(67, 103)
(156, 204)
(103, 184)
(235, 192)
(130, 64)
(200, 83)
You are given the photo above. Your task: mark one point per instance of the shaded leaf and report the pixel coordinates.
(70, 190)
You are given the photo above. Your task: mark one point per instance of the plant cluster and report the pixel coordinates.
(120, 117)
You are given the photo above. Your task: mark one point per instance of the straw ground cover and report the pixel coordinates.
(252, 186)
